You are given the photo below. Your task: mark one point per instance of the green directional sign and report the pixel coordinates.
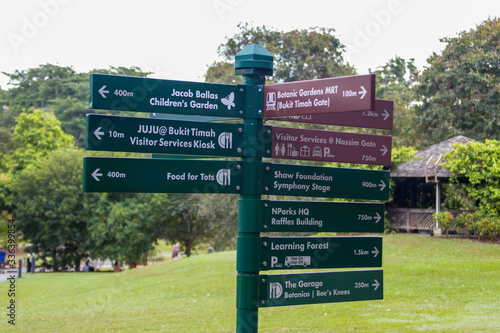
(322, 216)
(103, 174)
(323, 287)
(312, 181)
(146, 135)
(320, 252)
(126, 93)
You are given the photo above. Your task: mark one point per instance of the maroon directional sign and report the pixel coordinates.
(340, 94)
(380, 118)
(314, 145)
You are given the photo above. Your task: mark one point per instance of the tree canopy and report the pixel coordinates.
(36, 134)
(459, 92)
(304, 54)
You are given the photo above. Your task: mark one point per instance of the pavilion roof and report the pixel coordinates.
(426, 158)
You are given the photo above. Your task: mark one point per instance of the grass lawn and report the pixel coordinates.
(430, 285)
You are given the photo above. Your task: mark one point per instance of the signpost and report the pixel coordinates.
(322, 216)
(126, 93)
(311, 181)
(328, 146)
(250, 177)
(143, 135)
(104, 174)
(379, 118)
(324, 287)
(340, 94)
(324, 252)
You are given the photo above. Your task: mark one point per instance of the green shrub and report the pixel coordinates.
(465, 221)
(444, 219)
(480, 223)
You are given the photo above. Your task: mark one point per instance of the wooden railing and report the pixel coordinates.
(412, 219)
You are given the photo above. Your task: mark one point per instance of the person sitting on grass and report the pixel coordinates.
(175, 250)
(116, 268)
(86, 268)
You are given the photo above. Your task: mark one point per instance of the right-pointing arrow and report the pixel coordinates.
(386, 114)
(376, 285)
(362, 92)
(96, 174)
(382, 185)
(384, 150)
(376, 252)
(377, 217)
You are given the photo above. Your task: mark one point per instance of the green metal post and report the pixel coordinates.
(254, 63)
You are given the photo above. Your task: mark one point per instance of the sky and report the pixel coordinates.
(179, 39)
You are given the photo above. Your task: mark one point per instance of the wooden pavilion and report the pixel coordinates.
(417, 192)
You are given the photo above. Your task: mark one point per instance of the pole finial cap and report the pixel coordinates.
(253, 60)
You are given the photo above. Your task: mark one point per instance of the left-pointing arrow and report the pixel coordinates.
(96, 174)
(362, 92)
(103, 92)
(98, 133)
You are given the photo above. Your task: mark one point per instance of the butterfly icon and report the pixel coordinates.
(228, 101)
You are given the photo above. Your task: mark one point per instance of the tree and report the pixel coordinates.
(6, 147)
(6, 202)
(184, 224)
(395, 81)
(50, 87)
(4, 229)
(298, 54)
(220, 211)
(7, 122)
(459, 90)
(36, 87)
(36, 134)
(52, 210)
(480, 163)
(124, 227)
